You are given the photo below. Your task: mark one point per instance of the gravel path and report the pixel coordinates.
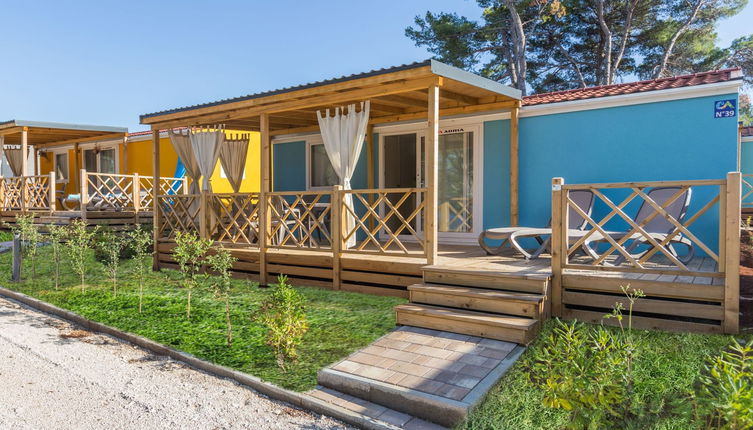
(55, 376)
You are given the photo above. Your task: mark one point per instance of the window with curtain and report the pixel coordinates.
(321, 173)
(61, 167)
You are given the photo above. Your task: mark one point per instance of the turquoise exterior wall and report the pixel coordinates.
(672, 140)
(289, 166)
(496, 174)
(746, 157)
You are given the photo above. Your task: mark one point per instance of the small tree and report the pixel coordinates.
(57, 235)
(189, 252)
(284, 315)
(140, 241)
(221, 262)
(79, 246)
(111, 245)
(28, 232)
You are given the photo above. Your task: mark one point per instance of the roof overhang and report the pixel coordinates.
(396, 94)
(45, 134)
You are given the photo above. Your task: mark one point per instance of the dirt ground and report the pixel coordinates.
(55, 376)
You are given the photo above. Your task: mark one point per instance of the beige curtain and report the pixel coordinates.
(182, 144)
(14, 157)
(206, 145)
(233, 159)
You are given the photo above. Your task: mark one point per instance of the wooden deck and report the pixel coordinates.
(115, 220)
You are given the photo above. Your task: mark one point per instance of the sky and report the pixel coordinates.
(106, 62)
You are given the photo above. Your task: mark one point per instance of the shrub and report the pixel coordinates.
(189, 252)
(111, 245)
(101, 252)
(57, 235)
(79, 247)
(726, 392)
(140, 242)
(283, 314)
(221, 262)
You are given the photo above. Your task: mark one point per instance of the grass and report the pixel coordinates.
(340, 322)
(667, 367)
(5, 236)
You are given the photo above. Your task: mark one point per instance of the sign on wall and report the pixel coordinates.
(725, 108)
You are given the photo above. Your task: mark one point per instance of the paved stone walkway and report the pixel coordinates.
(424, 372)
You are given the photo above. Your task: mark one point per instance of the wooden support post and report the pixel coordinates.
(52, 192)
(514, 167)
(84, 194)
(732, 255)
(136, 189)
(265, 226)
(337, 213)
(559, 248)
(125, 153)
(156, 213)
(370, 167)
(24, 168)
(431, 156)
(25, 151)
(76, 167)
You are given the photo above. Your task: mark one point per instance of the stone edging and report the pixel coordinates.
(300, 400)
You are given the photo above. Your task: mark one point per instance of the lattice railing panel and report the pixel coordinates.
(234, 218)
(300, 219)
(37, 192)
(168, 186)
(640, 244)
(179, 212)
(10, 193)
(385, 220)
(109, 191)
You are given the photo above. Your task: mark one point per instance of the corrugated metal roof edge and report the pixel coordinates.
(346, 78)
(64, 126)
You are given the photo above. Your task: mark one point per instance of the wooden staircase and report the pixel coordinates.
(494, 305)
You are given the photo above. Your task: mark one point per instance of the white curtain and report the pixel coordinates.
(343, 135)
(14, 157)
(206, 144)
(182, 145)
(233, 159)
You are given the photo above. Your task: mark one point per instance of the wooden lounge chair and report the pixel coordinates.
(583, 198)
(658, 228)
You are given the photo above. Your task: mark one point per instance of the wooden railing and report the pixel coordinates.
(234, 218)
(746, 196)
(384, 221)
(28, 193)
(179, 212)
(119, 192)
(616, 240)
(455, 215)
(299, 219)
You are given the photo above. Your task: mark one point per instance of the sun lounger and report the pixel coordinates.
(583, 198)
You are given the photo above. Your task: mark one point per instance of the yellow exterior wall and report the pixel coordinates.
(252, 179)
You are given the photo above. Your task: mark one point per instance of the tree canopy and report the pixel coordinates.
(551, 45)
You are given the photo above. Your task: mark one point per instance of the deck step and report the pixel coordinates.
(478, 299)
(535, 283)
(493, 326)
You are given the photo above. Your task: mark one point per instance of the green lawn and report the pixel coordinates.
(340, 322)
(667, 367)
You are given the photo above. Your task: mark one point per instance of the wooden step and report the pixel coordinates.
(535, 283)
(493, 326)
(478, 299)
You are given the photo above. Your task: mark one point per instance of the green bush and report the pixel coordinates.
(190, 252)
(283, 313)
(726, 393)
(79, 246)
(140, 244)
(56, 235)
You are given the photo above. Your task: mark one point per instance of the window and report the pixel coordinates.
(61, 167)
(321, 173)
(100, 160)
